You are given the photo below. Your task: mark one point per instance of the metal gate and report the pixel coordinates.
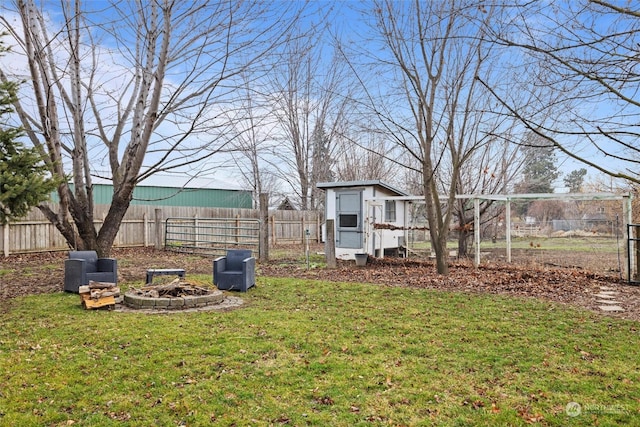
(211, 236)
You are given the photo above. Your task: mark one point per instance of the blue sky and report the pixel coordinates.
(346, 22)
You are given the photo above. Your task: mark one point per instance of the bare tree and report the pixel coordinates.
(253, 126)
(310, 99)
(364, 161)
(433, 52)
(136, 86)
(585, 57)
(492, 169)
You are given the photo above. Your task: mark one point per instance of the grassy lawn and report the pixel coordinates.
(569, 244)
(315, 353)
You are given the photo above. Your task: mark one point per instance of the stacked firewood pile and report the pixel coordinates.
(99, 294)
(177, 288)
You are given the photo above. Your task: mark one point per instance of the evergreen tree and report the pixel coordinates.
(539, 170)
(575, 179)
(24, 180)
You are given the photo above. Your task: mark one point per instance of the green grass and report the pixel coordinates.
(316, 260)
(569, 244)
(314, 353)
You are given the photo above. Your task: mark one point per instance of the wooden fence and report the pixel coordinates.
(144, 226)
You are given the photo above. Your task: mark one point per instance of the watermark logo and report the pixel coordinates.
(573, 409)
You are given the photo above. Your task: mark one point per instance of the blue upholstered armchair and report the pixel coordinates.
(236, 271)
(83, 266)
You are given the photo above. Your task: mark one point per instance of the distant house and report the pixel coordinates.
(369, 216)
(286, 205)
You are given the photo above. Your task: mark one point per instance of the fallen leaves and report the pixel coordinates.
(325, 400)
(563, 285)
(528, 417)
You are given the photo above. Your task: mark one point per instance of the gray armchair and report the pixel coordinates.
(83, 266)
(236, 271)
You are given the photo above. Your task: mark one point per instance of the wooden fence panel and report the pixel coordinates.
(36, 234)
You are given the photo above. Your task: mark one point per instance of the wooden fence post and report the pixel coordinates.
(159, 241)
(330, 245)
(145, 230)
(196, 230)
(273, 229)
(5, 239)
(237, 232)
(263, 250)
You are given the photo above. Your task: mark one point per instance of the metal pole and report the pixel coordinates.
(476, 230)
(627, 214)
(508, 228)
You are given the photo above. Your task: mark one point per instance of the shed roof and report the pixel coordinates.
(365, 183)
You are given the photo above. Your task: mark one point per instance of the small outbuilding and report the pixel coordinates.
(368, 216)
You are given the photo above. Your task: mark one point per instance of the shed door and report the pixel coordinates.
(349, 219)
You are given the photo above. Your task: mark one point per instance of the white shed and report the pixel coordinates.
(356, 208)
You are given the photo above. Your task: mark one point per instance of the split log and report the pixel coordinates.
(108, 302)
(103, 293)
(100, 285)
(98, 294)
(176, 288)
(163, 288)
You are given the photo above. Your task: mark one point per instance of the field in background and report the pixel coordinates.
(597, 254)
(594, 253)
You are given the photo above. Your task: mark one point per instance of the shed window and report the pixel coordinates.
(348, 220)
(390, 210)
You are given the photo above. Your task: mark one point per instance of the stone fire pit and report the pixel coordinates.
(177, 295)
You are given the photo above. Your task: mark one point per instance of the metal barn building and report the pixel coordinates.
(171, 196)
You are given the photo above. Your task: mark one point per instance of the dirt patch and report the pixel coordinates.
(43, 273)
(37, 273)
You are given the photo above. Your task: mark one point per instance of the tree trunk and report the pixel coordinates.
(442, 257)
(67, 116)
(463, 242)
(119, 205)
(437, 230)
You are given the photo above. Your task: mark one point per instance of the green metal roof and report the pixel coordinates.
(167, 196)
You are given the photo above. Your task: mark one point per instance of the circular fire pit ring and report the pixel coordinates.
(177, 295)
(133, 300)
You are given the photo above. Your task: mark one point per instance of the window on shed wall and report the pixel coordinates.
(390, 210)
(348, 220)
